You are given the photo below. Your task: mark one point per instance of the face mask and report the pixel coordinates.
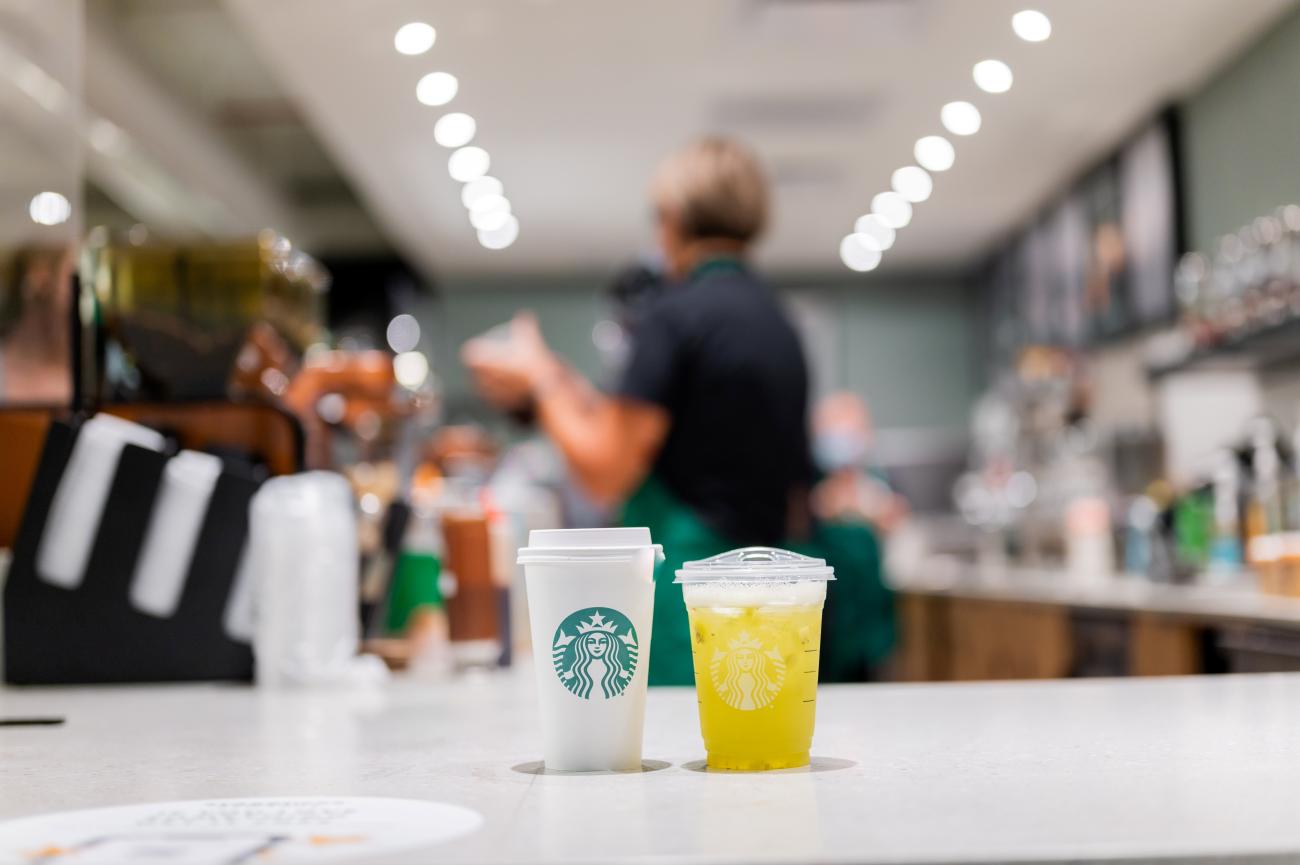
(836, 450)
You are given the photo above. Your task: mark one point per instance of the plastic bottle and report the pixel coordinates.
(1225, 544)
(1264, 512)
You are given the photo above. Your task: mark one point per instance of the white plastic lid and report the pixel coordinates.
(756, 565)
(560, 545)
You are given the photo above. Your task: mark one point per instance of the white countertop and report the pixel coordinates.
(1079, 770)
(1237, 602)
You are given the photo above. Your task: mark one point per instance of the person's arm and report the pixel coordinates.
(609, 443)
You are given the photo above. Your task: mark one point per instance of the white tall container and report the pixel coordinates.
(590, 608)
(82, 494)
(304, 569)
(174, 526)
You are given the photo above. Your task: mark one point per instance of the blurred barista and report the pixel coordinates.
(704, 437)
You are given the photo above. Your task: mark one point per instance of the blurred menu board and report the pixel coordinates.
(1149, 215)
(1098, 261)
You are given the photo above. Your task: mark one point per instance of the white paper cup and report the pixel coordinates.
(590, 607)
(82, 495)
(174, 526)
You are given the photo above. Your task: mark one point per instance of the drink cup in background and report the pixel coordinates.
(756, 618)
(590, 607)
(302, 552)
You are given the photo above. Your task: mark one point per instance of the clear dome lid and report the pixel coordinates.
(756, 565)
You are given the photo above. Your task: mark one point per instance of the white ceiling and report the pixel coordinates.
(40, 50)
(577, 99)
(197, 67)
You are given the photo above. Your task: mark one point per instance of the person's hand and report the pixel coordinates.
(508, 372)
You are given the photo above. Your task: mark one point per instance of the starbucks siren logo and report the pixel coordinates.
(747, 676)
(595, 650)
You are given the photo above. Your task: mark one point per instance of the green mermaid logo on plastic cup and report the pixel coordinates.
(595, 653)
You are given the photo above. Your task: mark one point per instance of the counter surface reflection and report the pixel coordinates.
(1181, 769)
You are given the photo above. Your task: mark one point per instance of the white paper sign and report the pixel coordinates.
(271, 831)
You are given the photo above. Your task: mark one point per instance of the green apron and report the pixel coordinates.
(857, 626)
(415, 586)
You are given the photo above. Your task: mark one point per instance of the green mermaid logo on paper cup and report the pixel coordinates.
(595, 653)
(591, 613)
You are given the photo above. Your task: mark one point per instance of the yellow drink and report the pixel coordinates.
(756, 657)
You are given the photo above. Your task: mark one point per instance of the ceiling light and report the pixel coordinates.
(490, 203)
(410, 368)
(992, 76)
(912, 183)
(502, 237)
(935, 153)
(875, 231)
(469, 163)
(49, 208)
(414, 38)
(892, 209)
(960, 118)
(106, 136)
(479, 187)
(454, 130)
(476, 189)
(403, 333)
(858, 253)
(437, 88)
(489, 220)
(1031, 25)
(490, 212)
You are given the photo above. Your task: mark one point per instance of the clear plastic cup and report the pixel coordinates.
(755, 617)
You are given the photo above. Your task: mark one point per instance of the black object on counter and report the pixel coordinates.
(92, 633)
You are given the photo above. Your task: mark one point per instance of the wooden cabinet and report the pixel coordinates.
(965, 639)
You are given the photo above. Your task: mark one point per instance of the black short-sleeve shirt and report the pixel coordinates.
(719, 353)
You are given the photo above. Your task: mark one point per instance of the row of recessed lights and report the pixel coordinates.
(484, 197)
(874, 233)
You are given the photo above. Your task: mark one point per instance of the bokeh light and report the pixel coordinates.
(403, 333)
(414, 38)
(1031, 25)
(935, 153)
(502, 237)
(992, 76)
(455, 129)
(961, 118)
(49, 208)
(892, 209)
(468, 163)
(858, 253)
(479, 187)
(875, 230)
(912, 183)
(437, 88)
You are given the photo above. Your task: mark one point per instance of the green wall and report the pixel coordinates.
(906, 344)
(909, 347)
(1242, 138)
(566, 308)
